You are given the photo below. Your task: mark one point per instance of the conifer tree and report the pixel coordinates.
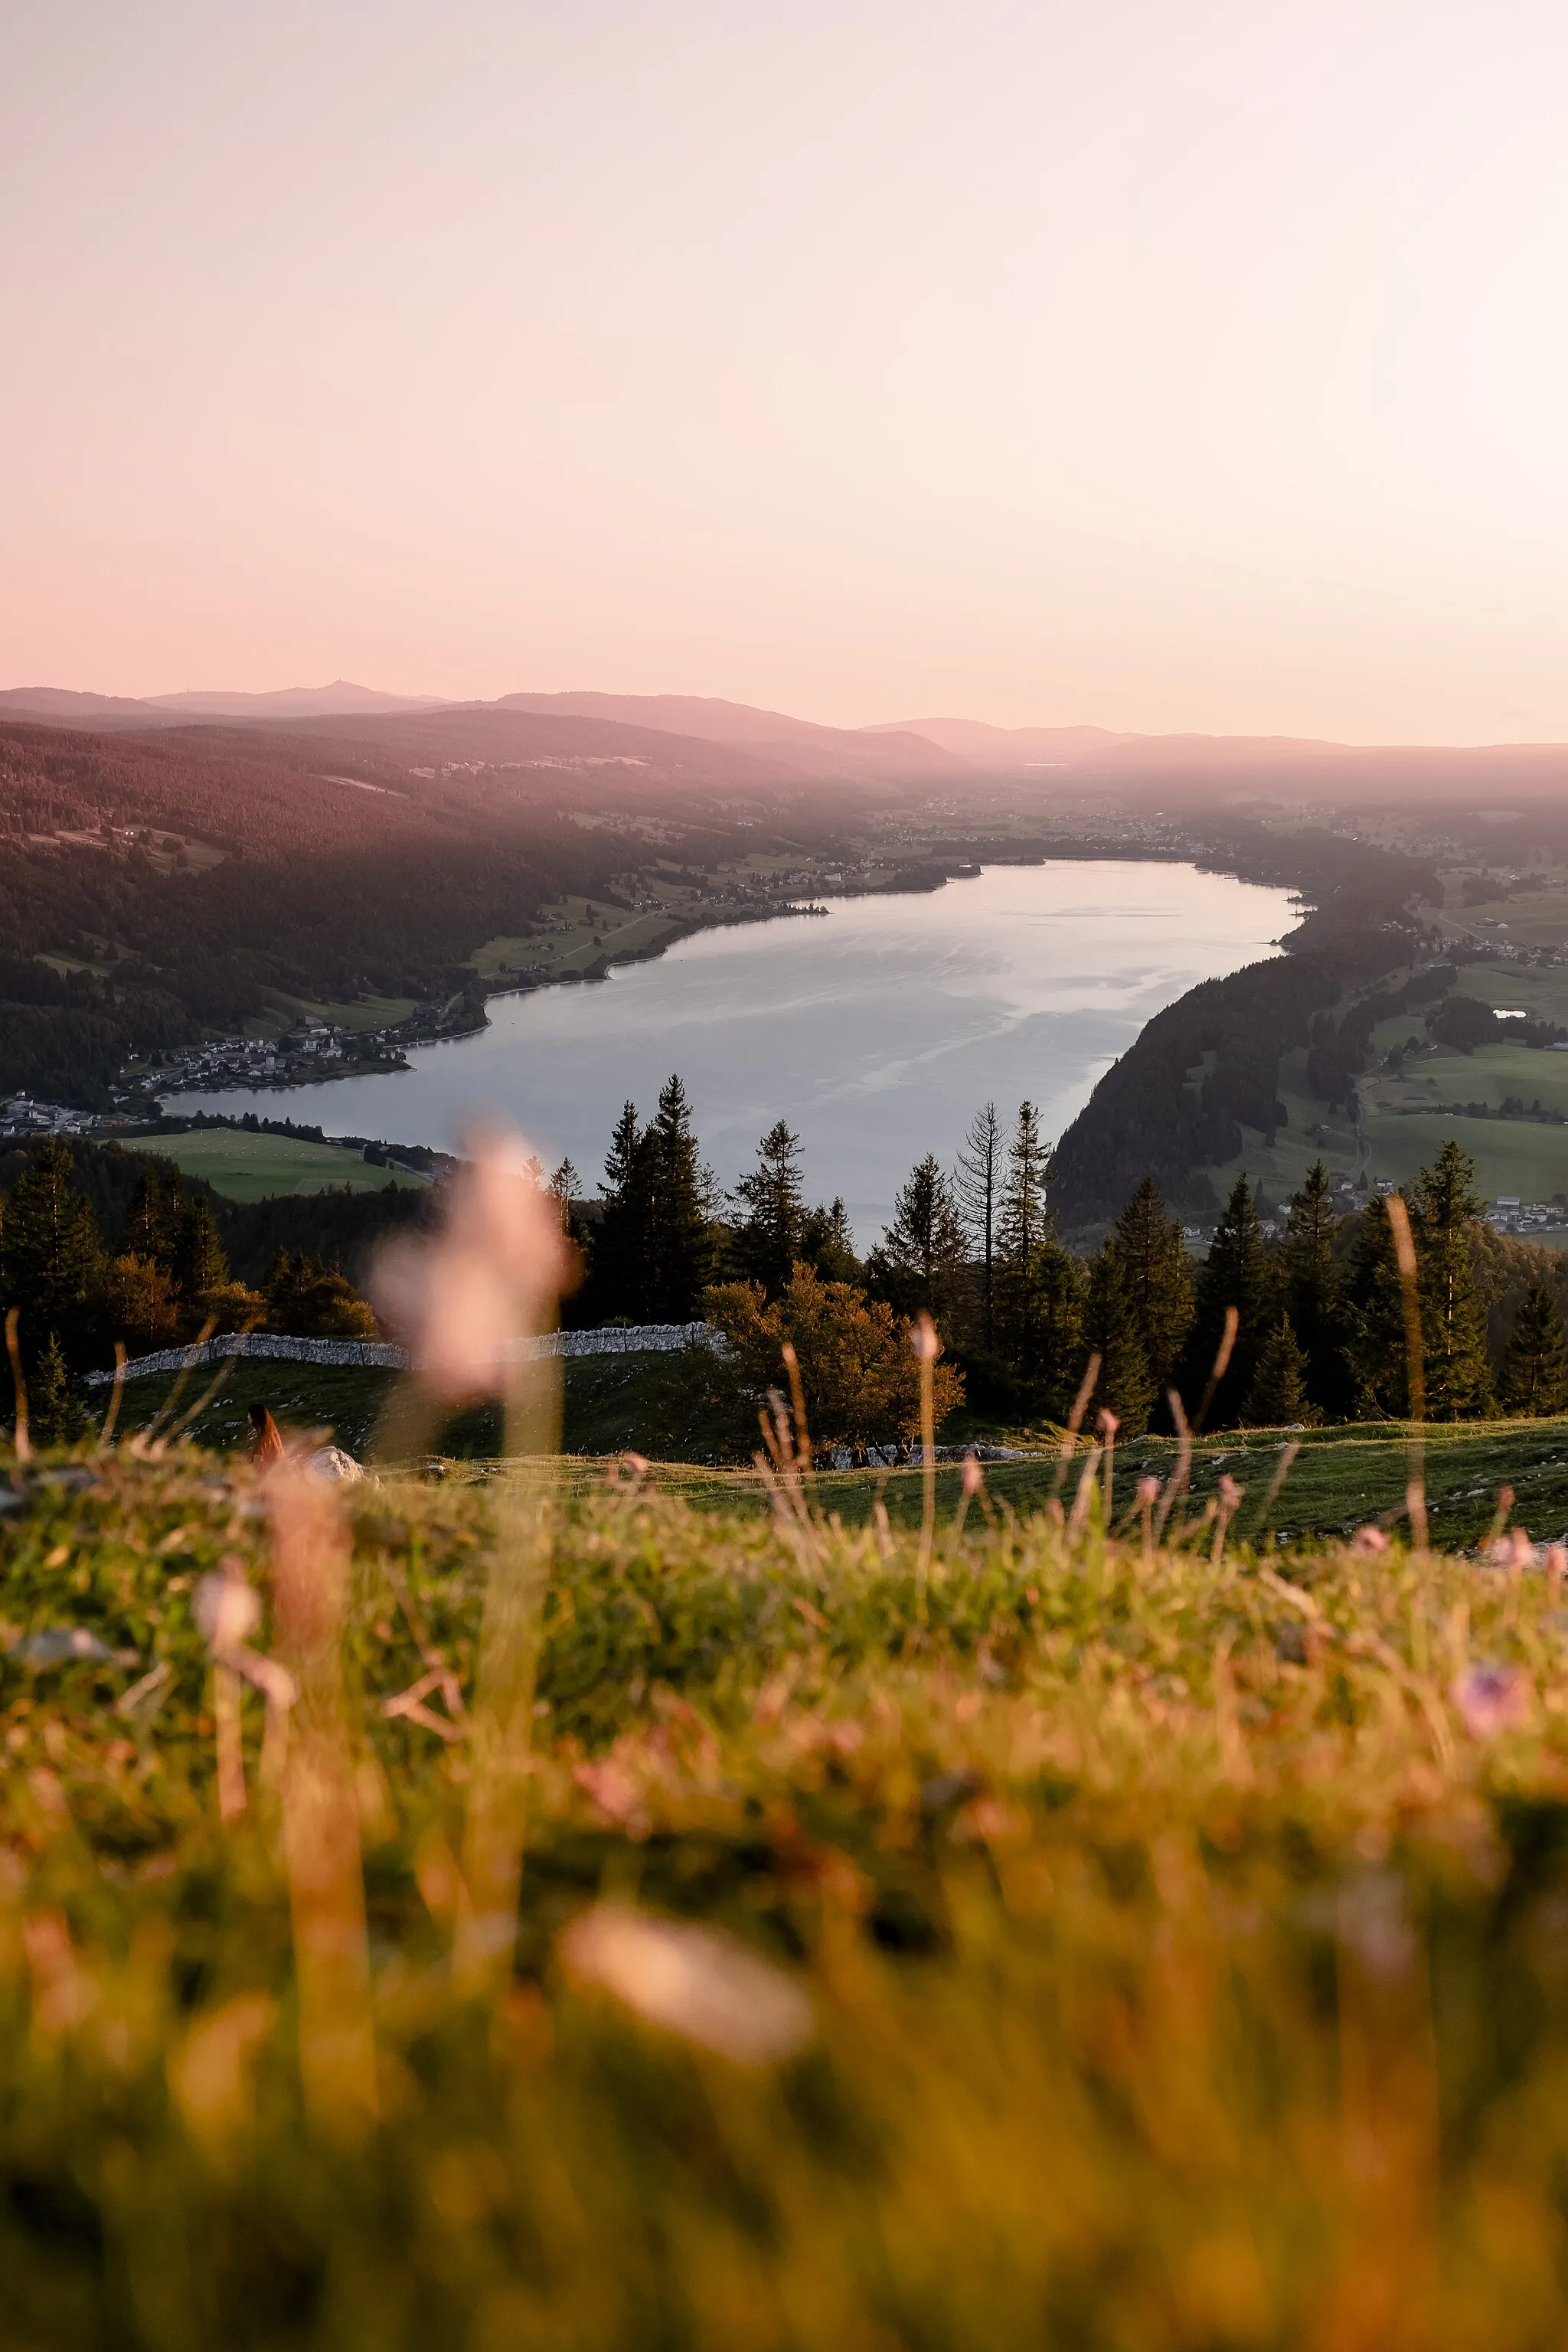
(1443, 1207)
(50, 1257)
(919, 1261)
(55, 1414)
(201, 1263)
(1372, 1319)
(682, 1239)
(978, 1188)
(1037, 1285)
(1277, 1398)
(1312, 1289)
(622, 1271)
(1114, 1329)
(770, 1239)
(1535, 1366)
(152, 1228)
(827, 1244)
(1148, 1244)
(1236, 1272)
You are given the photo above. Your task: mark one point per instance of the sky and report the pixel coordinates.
(1160, 367)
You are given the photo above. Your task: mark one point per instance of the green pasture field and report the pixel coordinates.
(362, 1013)
(246, 1167)
(1033, 1943)
(1535, 918)
(1340, 1479)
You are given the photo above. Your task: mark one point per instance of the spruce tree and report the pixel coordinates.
(1277, 1398)
(920, 1261)
(681, 1238)
(1236, 1272)
(201, 1264)
(827, 1244)
(1443, 1207)
(51, 1261)
(1372, 1319)
(1312, 1289)
(1039, 1286)
(770, 1238)
(152, 1228)
(55, 1414)
(978, 1188)
(1535, 1366)
(1147, 1242)
(1114, 1329)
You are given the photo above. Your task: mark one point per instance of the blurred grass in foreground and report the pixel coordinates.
(1188, 1942)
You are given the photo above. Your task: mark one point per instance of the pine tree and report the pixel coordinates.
(1277, 1398)
(55, 1414)
(920, 1260)
(1148, 1244)
(1037, 1285)
(1236, 1272)
(1312, 1289)
(978, 1188)
(1535, 1366)
(1443, 1207)
(827, 1244)
(152, 1228)
(622, 1271)
(1372, 1319)
(1114, 1329)
(680, 1237)
(769, 1241)
(201, 1264)
(51, 1259)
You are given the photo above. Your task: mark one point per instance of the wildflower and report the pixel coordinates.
(1229, 1494)
(695, 1981)
(1148, 1493)
(500, 1261)
(227, 1609)
(1513, 1550)
(1369, 1541)
(973, 1477)
(1489, 1699)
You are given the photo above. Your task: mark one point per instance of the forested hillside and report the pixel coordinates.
(174, 877)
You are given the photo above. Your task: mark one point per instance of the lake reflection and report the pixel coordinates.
(875, 1031)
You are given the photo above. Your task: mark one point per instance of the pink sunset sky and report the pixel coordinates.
(1163, 366)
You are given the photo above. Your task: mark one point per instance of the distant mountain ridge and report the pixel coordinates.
(698, 736)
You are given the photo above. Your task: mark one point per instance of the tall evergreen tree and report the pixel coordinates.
(1444, 1208)
(153, 1226)
(827, 1244)
(54, 1412)
(978, 1188)
(1039, 1286)
(201, 1264)
(1535, 1365)
(1372, 1319)
(1310, 1275)
(769, 1241)
(919, 1261)
(1277, 1398)
(1236, 1272)
(620, 1267)
(681, 1238)
(50, 1257)
(1147, 1243)
(1113, 1328)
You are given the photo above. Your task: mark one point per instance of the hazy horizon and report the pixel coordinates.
(1166, 372)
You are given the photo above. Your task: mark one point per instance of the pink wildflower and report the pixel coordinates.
(694, 1982)
(1369, 1541)
(499, 1263)
(1513, 1550)
(1489, 1699)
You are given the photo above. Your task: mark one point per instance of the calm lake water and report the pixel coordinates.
(875, 1031)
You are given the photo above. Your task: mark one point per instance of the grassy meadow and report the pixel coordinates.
(1170, 1943)
(243, 1166)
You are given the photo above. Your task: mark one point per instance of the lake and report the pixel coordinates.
(877, 1030)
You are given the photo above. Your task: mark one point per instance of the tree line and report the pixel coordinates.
(159, 1278)
(1320, 1334)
